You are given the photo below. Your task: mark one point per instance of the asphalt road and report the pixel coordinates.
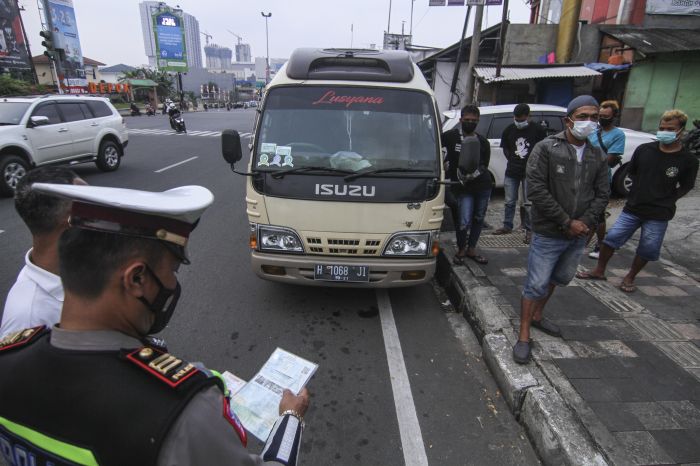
(376, 400)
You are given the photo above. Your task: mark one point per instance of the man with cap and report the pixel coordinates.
(568, 187)
(37, 295)
(90, 390)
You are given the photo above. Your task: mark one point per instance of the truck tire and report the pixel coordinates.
(109, 157)
(622, 183)
(12, 169)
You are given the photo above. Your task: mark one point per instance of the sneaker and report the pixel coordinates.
(595, 253)
(502, 231)
(521, 352)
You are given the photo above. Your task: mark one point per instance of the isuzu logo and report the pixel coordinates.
(344, 190)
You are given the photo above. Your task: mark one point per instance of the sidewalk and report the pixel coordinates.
(622, 386)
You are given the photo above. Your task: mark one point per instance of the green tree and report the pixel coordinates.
(165, 82)
(12, 86)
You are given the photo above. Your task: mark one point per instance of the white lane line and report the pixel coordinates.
(176, 164)
(2, 231)
(411, 437)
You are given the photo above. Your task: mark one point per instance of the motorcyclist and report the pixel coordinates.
(134, 109)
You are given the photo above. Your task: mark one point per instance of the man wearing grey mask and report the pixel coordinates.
(568, 187)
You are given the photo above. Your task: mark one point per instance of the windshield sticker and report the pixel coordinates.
(283, 152)
(330, 97)
(267, 150)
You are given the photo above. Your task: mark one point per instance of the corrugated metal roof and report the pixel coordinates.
(488, 73)
(655, 40)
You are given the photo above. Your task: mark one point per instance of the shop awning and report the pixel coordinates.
(656, 40)
(487, 74)
(142, 83)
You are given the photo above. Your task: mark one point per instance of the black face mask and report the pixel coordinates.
(605, 121)
(468, 126)
(163, 306)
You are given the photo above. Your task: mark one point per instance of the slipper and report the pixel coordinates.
(458, 260)
(628, 287)
(588, 276)
(478, 259)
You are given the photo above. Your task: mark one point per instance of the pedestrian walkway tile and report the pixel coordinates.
(642, 449)
(684, 353)
(652, 415)
(615, 417)
(684, 412)
(654, 329)
(682, 445)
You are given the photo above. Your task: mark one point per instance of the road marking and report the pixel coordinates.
(411, 437)
(2, 231)
(168, 132)
(176, 164)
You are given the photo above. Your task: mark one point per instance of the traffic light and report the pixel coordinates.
(48, 44)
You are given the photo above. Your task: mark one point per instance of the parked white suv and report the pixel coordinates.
(57, 129)
(495, 118)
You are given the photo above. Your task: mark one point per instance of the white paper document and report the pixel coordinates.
(257, 403)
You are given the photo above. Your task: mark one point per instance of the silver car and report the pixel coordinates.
(495, 118)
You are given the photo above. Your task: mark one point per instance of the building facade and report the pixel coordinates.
(218, 58)
(193, 44)
(243, 53)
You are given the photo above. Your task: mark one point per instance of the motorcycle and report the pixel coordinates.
(177, 122)
(150, 111)
(135, 110)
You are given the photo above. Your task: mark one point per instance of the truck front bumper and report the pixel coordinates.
(383, 272)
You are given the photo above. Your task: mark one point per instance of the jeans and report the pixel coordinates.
(650, 241)
(551, 261)
(511, 187)
(472, 211)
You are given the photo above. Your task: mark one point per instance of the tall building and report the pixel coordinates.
(191, 26)
(218, 58)
(243, 53)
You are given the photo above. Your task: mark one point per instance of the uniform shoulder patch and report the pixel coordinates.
(164, 366)
(21, 338)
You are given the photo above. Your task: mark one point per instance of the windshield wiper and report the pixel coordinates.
(354, 176)
(280, 174)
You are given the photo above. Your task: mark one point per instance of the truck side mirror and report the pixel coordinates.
(231, 146)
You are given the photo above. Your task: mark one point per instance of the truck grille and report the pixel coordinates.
(368, 245)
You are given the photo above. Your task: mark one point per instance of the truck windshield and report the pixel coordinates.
(348, 128)
(11, 113)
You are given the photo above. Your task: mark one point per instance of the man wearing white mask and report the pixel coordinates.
(662, 172)
(567, 184)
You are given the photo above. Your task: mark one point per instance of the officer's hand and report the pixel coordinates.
(577, 228)
(299, 403)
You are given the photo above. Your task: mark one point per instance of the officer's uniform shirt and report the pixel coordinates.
(35, 299)
(201, 434)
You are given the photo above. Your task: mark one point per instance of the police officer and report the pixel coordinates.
(91, 390)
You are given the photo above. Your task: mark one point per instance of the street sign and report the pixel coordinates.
(475, 2)
(455, 2)
(436, 3)
(494, 2)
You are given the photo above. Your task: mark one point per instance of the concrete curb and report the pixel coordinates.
(554, 428)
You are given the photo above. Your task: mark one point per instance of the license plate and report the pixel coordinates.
(341, 273)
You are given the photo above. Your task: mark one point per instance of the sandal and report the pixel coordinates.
(628, 287)
(458, 260)
(588, 276)
(478, 259)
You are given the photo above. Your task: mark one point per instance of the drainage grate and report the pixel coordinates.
(512, 240)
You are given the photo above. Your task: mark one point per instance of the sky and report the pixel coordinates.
(110, 30)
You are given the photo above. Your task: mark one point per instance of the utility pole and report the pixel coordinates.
(267, 47)
(410, 30)
(388, 23)
(474, 54)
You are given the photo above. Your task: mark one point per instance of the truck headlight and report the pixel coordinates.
(278, 239)
(408, 244)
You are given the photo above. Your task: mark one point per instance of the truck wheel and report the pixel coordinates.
(109, 157)
(13, 168)
(622, 183)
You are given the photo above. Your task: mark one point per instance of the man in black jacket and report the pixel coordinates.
(662, 172)
(471, 191)
(568, 186)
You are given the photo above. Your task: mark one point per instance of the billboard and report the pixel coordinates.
(13, 50)
(673, 7)
(169, 35)
(65, 33)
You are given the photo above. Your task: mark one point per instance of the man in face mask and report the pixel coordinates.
(467, 162)
(118, 263)
(568, 187)
(611, 140)
(662, 172)
(517, 141)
